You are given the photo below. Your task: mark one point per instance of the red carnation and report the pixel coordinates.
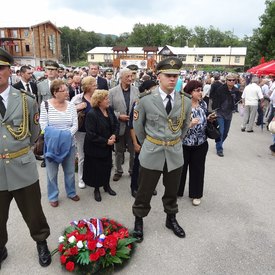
(60, 247)
(63, 259)
(92, 244)
(74, 250)
(70, 266)
(101, 252)
(94, 256)
(110, 242)
(113, 251)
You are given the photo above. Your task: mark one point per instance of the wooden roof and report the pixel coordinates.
(120, 49)
(150, 49)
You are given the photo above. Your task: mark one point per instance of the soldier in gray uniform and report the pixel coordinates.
(43, 87)
(19, 175)
(161, 118)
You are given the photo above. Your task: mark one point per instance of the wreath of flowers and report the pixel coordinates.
(90, 246)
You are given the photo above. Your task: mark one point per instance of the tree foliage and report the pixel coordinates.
(261, 43)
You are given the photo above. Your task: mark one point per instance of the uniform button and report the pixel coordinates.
(7, 161)
(4, 136)
(6, 150)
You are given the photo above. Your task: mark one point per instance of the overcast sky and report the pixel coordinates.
(119, 16)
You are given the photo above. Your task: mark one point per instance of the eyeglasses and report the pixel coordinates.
(231, 80)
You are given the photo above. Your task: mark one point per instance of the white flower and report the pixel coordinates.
(99, 244)
(79, 244)
(72, 239)
(61, 239)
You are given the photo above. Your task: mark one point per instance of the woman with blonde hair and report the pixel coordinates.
(101, 131)
(82, 102)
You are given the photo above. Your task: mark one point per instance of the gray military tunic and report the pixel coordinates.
(151, 119)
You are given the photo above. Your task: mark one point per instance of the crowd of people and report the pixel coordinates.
(159, 118)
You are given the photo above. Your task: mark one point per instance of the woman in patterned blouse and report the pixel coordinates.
(195, 145)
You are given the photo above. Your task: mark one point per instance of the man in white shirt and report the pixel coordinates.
(251, 95)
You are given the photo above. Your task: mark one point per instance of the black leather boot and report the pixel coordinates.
(138, 230)
(3, 255)
(172, 224)
(43, 253)
(109, 190)
(97, 194)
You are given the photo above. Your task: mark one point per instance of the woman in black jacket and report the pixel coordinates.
(101, 131)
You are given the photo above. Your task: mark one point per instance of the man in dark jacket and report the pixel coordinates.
(223, 103)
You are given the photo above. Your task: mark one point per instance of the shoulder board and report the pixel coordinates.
(147, 92)
(186, 95)
(27, 93)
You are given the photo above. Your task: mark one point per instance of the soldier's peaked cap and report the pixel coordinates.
(170, 65)
(132, 67)
(51, 64)
(109, 71)
(5, 58)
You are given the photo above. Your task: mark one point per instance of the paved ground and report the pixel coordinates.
(231, 232)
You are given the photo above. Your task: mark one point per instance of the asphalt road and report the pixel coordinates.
(231, 232)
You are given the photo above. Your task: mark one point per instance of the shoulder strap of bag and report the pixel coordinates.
(47, 106)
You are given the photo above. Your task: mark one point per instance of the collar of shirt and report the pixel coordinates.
(164, 97)
(25, 84)
(5, 96)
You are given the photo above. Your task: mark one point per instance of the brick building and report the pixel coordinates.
(32, 45)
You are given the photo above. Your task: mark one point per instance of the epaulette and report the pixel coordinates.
(146, 92)
(27, 93)
(185, 94)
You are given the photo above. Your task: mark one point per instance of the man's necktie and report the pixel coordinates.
(2, 107)
(76, 91)
(169, 104)
(28, 87)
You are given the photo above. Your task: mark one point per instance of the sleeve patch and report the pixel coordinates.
(136, 115)
(36, 118)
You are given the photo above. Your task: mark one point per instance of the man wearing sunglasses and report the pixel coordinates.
(223, 103)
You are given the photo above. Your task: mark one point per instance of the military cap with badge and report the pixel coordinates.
(51, 65)
(109, 71)
(170, 65)
(132, 67)
(5, 58)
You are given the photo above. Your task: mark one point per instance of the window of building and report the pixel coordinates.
(182, 57)
(2, 33)
(16, 48)
(52, 44)
(107, 58)
(237, 59)
(26, 32)
(198, 58)
(14, 33)
(27, 48)
(92, 56)
(216, 58)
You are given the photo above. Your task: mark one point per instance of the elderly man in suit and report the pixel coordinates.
(122, 98)
(161, 118)
(19, 175)
(100, 81)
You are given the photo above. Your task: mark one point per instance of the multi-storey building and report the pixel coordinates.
(32, 45)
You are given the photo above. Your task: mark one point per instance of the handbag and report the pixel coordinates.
(212, 130)
(38, 148)
(81, 116)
